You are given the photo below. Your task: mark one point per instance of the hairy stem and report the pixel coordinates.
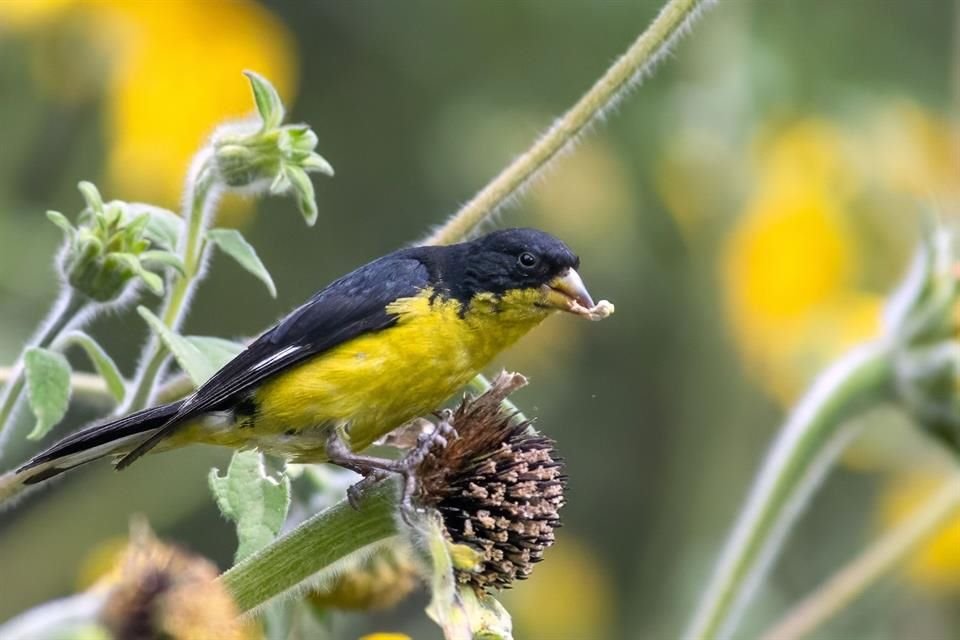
(674, 19)
(65, 310)
(860, 379)
(313, 546)
(191, 251)
(880, 558)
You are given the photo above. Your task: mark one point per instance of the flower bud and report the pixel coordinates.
(107, 250)
(248, 155)
(922, 321)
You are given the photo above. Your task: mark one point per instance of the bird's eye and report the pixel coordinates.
(527, 260)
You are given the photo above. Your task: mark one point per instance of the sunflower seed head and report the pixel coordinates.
(498, 486)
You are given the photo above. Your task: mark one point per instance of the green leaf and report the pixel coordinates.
(48, 388)
(61, 221)
(303, 189)
(101, 360)
(268, 102)
(195, 362)
(91, 196)
(252, 499)
(316, 162)
(165, 258)
(216, 350)
(152, 280)
(163, 228)
(236, 246)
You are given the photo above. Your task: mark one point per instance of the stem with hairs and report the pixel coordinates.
(313, 546)
(876, 561)
(799, 456)
(201, 195)
(650, 47)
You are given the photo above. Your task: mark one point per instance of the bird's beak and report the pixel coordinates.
(568, 293)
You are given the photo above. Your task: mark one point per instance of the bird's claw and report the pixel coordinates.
(374, 469)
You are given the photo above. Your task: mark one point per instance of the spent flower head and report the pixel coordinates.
(160, 591)
(113, 245)
(268, 153)
(498, 487)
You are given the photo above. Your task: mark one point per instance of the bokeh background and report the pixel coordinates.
(747, 210)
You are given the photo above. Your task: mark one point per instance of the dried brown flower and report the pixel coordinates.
(498, 486)
(160, 591)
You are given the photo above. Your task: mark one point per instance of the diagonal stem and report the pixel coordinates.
(787, 477)
(647, 50)
(884, 555)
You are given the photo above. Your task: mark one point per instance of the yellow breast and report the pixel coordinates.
(378, 381)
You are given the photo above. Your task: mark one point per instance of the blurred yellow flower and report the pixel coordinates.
(569, 596)
(790, 265)
(173, 73)
(937, 564)
(386, 636)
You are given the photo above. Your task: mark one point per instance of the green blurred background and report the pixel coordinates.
(747, 209)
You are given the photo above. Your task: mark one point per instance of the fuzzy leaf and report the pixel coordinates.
(152, 280)
(252, 499)
(195, 362)
(268, 102)
(163, 227)
(316, 162)
(61, 221)
(91, 196)
(303, 190)
(164, 258)
(48, 388)
(236, 246)
(217, 351)
(101, 360)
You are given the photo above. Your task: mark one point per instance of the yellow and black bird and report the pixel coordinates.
(383, 345)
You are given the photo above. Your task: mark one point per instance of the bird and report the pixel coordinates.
(383, 345)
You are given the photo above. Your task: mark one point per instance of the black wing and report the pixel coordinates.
(352, 306)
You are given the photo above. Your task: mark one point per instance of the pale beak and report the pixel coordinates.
(568, 293)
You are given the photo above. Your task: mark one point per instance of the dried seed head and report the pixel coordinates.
(499, 487)
(159, 591)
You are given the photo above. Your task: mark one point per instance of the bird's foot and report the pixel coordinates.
(375, 469)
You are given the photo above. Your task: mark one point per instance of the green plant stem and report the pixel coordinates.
(652, 45)
(313, 546)
(65, 310)
(182, 290)
(794, 464)
(880, 558)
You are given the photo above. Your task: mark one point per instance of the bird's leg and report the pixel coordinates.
(375, 469)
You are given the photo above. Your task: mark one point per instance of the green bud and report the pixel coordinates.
(921, 323)
(272, 156)
(110, 248)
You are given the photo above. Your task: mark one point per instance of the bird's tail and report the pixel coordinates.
(95, 442)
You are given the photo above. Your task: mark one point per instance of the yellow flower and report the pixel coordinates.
(936, 565)
(790, 265)
(386, 636)
(172, 74)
